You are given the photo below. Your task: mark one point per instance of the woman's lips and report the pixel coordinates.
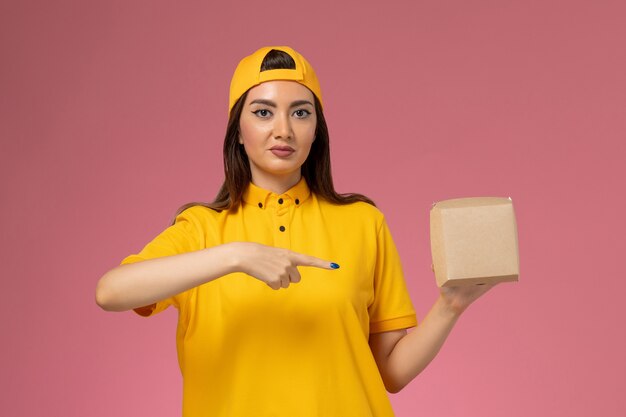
(282, 152)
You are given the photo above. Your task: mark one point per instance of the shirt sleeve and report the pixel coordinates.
(392, 308)
(185, 235)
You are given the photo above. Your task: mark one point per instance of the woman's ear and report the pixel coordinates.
(240, 140)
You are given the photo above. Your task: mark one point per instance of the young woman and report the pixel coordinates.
(291, 297)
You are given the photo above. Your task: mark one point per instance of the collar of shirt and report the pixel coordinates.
(263, 199)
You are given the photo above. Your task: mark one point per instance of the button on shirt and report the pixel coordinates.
(245, 349)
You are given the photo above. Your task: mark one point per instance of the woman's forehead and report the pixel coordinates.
(280, 91)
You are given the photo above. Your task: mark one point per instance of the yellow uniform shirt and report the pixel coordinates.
(246, 350)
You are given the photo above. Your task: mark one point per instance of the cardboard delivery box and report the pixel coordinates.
(474, 241)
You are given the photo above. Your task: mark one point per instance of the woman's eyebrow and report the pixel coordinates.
(300, 103)
(272, 104)
(263, 101)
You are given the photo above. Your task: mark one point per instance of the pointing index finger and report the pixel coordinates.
(307, 260)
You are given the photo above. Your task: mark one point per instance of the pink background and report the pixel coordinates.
(113, 115)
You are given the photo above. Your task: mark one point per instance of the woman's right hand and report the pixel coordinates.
(143, 283)
(277, 267)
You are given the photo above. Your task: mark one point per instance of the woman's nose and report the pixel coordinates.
(282, 127)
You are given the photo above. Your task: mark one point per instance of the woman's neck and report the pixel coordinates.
(275, 184)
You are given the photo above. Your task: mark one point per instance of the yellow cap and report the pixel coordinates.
(248, 74)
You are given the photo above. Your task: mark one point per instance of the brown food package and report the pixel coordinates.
(474, 241)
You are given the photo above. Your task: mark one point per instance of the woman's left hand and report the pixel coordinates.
(457, 299)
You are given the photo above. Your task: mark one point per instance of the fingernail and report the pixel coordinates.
(334, 265)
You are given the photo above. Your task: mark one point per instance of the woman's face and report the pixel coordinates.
(277, 128)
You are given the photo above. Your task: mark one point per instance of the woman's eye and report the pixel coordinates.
(262, 112)
(301, 113)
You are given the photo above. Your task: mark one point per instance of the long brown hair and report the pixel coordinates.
(316, 169)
